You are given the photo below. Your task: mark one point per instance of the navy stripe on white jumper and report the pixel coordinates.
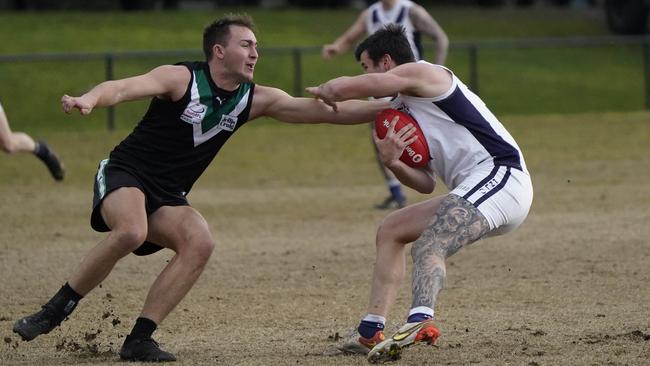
(463, 112)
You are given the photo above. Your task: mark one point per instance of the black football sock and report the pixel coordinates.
(39, 150)
(143, 328)
(64, 301)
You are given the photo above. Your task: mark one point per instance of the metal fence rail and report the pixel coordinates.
(472, 47)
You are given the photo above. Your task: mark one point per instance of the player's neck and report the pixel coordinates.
(224, 79)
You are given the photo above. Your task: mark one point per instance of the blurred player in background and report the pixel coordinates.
(471, 151)
(141, 189)
(416, 21)
(20, 142)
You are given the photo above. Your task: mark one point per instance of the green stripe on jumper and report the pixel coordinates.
(205, 98)
(210, 121)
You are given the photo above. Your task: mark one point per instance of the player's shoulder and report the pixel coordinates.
(417, 11)
(174, 79)
(418, 69)
(172, 71)
(423, 79)
(365, 13)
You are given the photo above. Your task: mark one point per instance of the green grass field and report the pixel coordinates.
(512, 81)
(290, 205)
(290, 208)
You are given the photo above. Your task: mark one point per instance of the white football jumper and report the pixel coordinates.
(473, 154)
(398, 14)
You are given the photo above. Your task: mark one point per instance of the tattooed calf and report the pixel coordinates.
(456, 224)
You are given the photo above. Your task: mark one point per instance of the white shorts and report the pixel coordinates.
(502, 194)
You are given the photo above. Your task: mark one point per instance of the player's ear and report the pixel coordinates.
(386, 62)
(218, 51)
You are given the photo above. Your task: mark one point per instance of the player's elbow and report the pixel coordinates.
(426, 190)
(425, 187)
(443, 41)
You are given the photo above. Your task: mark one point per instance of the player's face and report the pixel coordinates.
(241, 53)
(368, 65)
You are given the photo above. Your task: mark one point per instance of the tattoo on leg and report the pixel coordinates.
(456, 224)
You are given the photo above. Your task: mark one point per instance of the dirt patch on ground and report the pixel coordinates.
(292, 269)
(289, 279)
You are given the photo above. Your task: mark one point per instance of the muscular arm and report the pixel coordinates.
(414, 79)
(418, 179)
(277, 104)
(168, 82)
(425, 24)
(347, 39)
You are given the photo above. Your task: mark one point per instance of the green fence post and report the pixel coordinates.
(646, 69)
(297, 72)
(109, 76)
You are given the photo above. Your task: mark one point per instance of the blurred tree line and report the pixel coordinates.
(176, 4)
(623, 16)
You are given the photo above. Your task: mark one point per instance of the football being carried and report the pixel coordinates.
(416, 151)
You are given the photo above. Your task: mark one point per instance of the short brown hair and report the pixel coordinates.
(218, 32)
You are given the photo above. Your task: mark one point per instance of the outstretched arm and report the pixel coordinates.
(415, 79)
(168, 82)
(277, 104)
(361, 86)
(347, 39)
(425, 24)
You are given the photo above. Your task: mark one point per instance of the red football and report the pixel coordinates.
(416, 154)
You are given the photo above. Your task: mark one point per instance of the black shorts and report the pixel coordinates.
(110, 177)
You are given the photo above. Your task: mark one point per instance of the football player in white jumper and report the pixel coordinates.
(416, 21)
(490, 190)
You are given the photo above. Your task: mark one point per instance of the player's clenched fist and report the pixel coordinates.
(69, 103)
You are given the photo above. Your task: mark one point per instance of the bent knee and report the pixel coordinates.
(199, 249)
(204, 248)
(389, 231)
(128, 239)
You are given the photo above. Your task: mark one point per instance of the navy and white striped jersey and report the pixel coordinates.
(461, 132)
(378, 17)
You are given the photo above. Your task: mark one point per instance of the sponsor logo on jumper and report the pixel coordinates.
(194, 113)
(219, 100)
(197, 109)
(227, 122)
(488, 186)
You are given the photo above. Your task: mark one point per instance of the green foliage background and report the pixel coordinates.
(291, 205)
(556, 101)
(511, 80)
